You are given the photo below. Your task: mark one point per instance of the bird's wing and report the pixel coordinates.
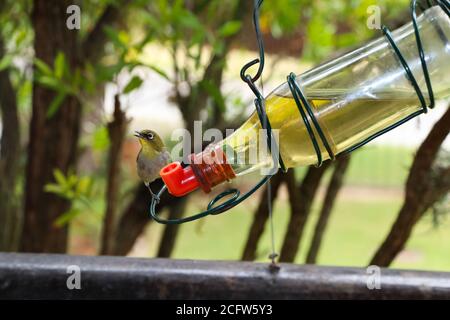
(165, 158)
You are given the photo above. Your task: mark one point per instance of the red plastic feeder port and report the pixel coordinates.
(179, 181)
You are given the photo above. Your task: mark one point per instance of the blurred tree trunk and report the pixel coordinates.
(337, 179)
(136, 216)
(167, 243)
(116, 130)
(52, 140)
(301, 199)
(134, 219)
(423, 188)
(260, 217)
(10, 211)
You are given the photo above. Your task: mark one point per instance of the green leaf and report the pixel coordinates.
(215, 93)
(66, 217)
(346, 39)
(77, 78)
(52, 188)
(152, 22)
(159, 71)
(59, 177)
(219, 47)
(133, 84)
(83, 185)
(230, 28)
(21, 36)
(188, 20)
(85, 202)
(42, 67)
(107, 73)
(49, 82)
(5, 62)
(113, 35)
(55, 104)
(197, 38)
(100, 139)
(60, 65)
(124, 38)
(72, 180)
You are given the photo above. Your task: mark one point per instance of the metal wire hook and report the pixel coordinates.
(244, 75)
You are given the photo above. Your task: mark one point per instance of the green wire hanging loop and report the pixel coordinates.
(233, 196)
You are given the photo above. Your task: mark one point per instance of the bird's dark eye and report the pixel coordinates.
(149, 136)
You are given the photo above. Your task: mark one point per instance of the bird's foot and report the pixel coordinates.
(154, 196)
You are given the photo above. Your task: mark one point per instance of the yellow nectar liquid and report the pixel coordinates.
(345, 121)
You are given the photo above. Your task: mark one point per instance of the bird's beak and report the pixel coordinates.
(137, 134)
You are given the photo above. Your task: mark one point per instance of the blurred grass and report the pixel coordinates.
(376, 166)
(380, 166)
(355, 230)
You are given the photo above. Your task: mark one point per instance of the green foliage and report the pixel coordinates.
(60, 66)
(123, 55)
(119, 39)
(230, 28)
(16, 36)
(190, 31)
(327, 25)
(159, 71)
(85, 79)
(58, 78)
(134, 83)
(100, 139)
(15, 25)
(283, 16)
(6, 61)
(194, 35)
(56, 103)
(77, 190)
(214, 92)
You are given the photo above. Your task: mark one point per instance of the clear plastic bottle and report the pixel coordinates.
(353, 97)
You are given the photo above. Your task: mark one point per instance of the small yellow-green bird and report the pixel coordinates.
(152, 157)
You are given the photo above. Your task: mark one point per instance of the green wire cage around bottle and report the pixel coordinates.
(330, 110)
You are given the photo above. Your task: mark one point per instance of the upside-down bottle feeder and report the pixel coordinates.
(330, 110)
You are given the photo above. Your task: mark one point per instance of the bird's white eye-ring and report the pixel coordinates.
(150, 136)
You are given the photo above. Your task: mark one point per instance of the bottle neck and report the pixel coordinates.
(211, 168)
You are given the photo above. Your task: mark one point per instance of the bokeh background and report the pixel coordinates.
(71, 99)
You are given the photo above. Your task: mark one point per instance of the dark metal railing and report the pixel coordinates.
(44, 276)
